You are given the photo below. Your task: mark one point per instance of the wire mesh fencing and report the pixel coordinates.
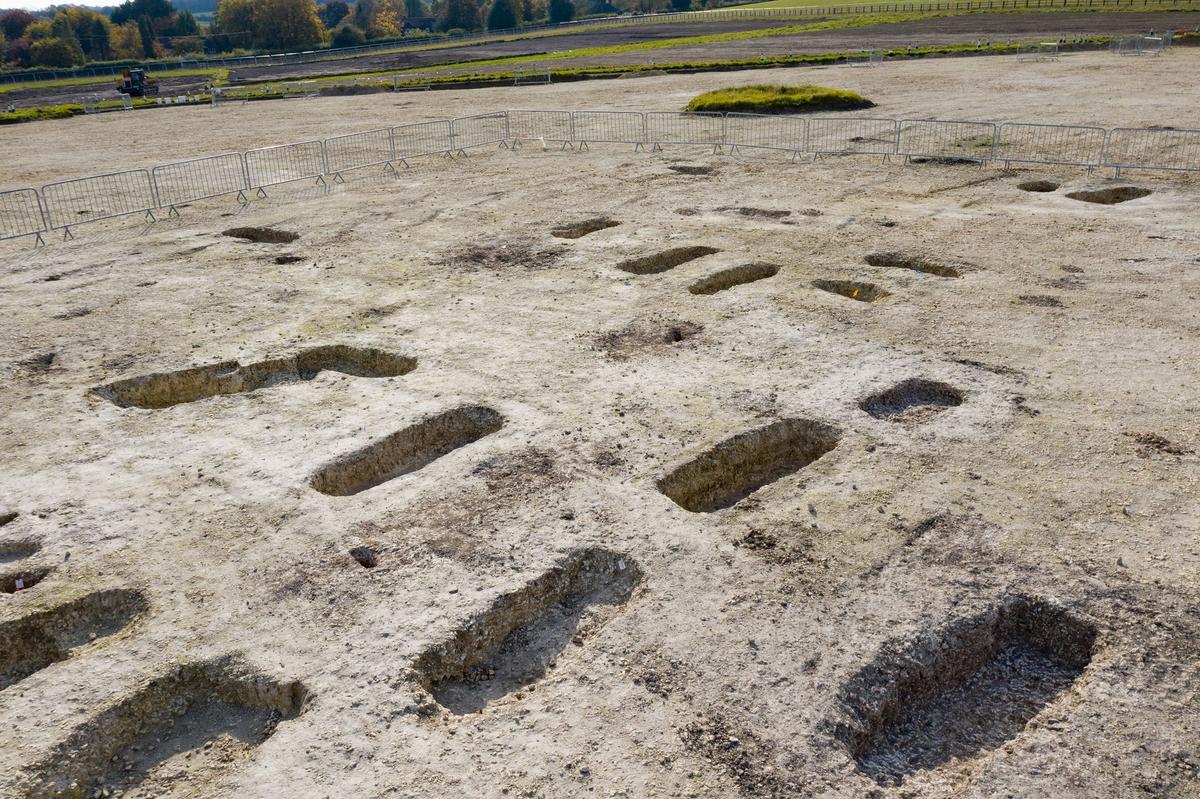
(945, 140)
(765, 132)
(478, 131)
(616, 127)
(554, 126)
(199, 179)
(851, 136)
(358, 151)
(285, 163)
(64, 204)
(74, 202)
(21, 214)
(1073, 145)
(421, 138)
(699, 128)
(1152, 148)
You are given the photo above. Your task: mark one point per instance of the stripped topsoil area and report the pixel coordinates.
(938, 545)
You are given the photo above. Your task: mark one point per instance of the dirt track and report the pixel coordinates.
(948, 30)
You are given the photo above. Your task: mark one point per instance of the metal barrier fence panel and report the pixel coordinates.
(673, 127)
(479, 130)
(851, 136)
(421, 138)
(270, 166)
(359, 150)
(623, 127)
(73, 202)
(21, 214)
(1049, 144)
(548, 125)
(765, 131)
(199, 179)
(919, 138)
(1149, 148)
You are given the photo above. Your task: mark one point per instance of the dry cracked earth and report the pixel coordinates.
(689, 476)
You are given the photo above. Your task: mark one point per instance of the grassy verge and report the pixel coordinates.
(777, 99)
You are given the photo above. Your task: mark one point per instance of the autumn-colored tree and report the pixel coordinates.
(333, 12)
(13, 23)
(287, 24)
(348, 36)
(126, 41)
(54, 52)
(460, 14)
(388, 17)
(234, 24)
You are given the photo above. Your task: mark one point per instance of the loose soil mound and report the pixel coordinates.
(778, 99)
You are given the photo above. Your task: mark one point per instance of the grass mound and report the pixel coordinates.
(776, 99)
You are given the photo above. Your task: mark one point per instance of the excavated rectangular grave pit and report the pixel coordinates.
(584, 228)
(515, 641)
(18, 549)
(27, 577)
(739, 466)
(180, 734)
(853, 289)
(961, 693)
(665, 260)
(912, 401)
(32, 642)
(734, 276)
(406, 450)
(917, 262)
(165, 389)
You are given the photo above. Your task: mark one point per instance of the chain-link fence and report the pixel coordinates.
(421, 138)
(65, 204)
(478, 131)
(199, 179)
(358, 151)
(670, 127)
(617, 127)
(21, 214)
(1070, 145)
(765, 132)
(73, 202)
(945, 140)
(285, 163)
(1170, 150)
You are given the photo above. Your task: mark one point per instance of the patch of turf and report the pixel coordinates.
(777, 99)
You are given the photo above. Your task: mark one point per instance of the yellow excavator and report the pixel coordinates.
(135, 83)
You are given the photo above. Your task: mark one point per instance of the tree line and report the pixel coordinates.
(69, 36)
